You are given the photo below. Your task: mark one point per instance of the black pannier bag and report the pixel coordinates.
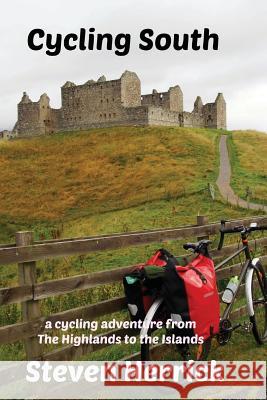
(144, 283)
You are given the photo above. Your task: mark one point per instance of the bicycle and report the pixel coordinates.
(252, 274)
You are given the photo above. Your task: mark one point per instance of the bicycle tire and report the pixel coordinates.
(178, 352)
(181, 353)
(258, 303)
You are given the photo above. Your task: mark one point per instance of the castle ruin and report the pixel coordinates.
(113, 103)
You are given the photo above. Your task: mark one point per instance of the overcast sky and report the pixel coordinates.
(238, 68)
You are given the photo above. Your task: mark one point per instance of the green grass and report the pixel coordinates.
(248, 151)
(87, 183)
(83, 173)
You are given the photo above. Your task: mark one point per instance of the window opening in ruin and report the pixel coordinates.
(109, 115)
(114, 114)
(107, 100)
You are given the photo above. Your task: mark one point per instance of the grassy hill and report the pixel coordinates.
(108, 180)
(249, 164)
(48, 182)
(90, 172)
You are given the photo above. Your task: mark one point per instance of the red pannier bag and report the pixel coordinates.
(189, 291)
(191, 294)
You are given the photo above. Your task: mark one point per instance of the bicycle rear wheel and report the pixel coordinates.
(259, 303)
(165, 351)
(172, 352)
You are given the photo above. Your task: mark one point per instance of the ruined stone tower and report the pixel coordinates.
(36, 117)
(105, 103)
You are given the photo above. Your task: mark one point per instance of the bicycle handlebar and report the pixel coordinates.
(237, 229)
(198, 247)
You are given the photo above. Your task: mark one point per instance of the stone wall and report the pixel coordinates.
(37, 118)
(176, 99)
(136, 116)
(193, 119)
(29, 122)
(210, 115)
(54, 123)
(220, 111)
(7, 135)
(161, 116)
(94, 103)
(157, 99)
(171, 100)
(130, 90)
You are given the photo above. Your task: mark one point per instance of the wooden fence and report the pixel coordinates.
(25, 252)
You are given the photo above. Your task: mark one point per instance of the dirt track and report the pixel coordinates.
(224, 179)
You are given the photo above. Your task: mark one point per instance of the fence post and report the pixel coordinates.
(30, 309)
(202, 220)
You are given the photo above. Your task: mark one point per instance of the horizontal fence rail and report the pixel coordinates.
(60, 248)
(29, 293)
(24, 330)
(75, 283)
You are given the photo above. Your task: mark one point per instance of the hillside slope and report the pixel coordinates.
(53, 177)
(248, 151)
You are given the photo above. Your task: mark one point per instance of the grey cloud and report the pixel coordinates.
(238, 69)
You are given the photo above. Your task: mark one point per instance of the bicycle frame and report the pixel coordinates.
(242, 275)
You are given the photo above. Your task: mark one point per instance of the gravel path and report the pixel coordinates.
(224, 179)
